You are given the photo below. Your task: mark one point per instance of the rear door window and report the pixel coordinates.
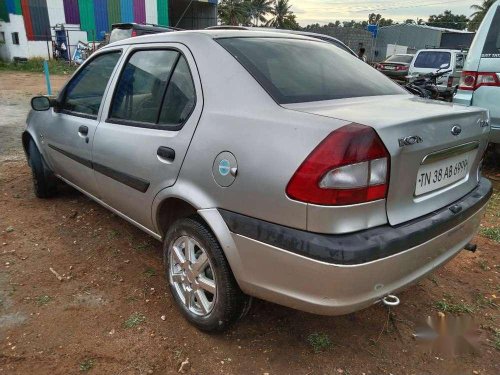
(155, 90)
(432, 59)
(491, 47)
(295, 70)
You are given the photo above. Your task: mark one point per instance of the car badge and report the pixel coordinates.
(456, 130)
(410, 140)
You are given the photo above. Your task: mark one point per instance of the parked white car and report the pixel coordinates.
(430, 60)
(480, 82)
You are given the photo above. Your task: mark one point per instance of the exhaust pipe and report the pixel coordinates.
(471, 247)
(390, 300)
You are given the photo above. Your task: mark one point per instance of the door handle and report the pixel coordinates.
(83, 130)
(166, 154)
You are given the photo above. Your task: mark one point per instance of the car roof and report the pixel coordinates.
(440, 50)
(184, 36)
(283, 31)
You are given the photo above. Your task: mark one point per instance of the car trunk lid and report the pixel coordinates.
(422, 137)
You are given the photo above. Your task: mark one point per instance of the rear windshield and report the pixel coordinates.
(432, 59)
(492, 44)
(119, 34)
(295, 71)
(400, 58)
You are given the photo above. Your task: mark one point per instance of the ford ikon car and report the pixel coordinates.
(265, 169)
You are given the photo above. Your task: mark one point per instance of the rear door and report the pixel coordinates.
(70, 134)
(150, 118)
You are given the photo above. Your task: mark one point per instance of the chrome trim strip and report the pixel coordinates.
(449, 152)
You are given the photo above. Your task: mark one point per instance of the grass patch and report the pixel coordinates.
(493, 233)
(35, 65)
(43, 300)
(453, 308)
(319, 342)
(496, 339)
(113, 233)
(86, 365)
(481, 301)
(483, 264)
(134, 320)
(150, 272)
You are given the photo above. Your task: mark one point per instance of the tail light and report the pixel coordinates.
(401, 67)
(473, 80)
(134, 33)
(349, 166)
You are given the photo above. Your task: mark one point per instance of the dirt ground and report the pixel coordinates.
(105, 316)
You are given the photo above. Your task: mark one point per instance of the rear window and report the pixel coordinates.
(400, 58)
(119, 34)
(432, 59)
(295, 71)
(492, 44)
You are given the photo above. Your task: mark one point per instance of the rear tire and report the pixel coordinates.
(199, 277)
(44, 181)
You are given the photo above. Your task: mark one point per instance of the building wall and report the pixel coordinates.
(191, 15)
(25, 49)
(354, 38)
(412, 36)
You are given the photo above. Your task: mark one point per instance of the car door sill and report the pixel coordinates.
(105, 205)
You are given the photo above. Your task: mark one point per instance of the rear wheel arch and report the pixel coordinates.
(170, 210)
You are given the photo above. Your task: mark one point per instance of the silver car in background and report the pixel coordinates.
(265, 173)
(480, 81)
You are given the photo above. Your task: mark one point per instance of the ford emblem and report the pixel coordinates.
(456, 130)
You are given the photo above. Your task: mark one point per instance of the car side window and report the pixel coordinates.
(460, 61)
(180, 97)
(83, 94)
(491, 47)
(155, 90)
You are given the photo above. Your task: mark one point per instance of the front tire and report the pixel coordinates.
(44, 182)
(200, 278)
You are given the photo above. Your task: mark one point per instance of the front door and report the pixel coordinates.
(151, 117)
(70, 134)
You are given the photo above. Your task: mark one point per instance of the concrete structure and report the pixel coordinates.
(26, 26)
(354, 38)
(415, 37)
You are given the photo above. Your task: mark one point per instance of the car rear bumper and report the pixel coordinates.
(339, 274)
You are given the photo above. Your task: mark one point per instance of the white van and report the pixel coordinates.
(430, 60)
(480, 81)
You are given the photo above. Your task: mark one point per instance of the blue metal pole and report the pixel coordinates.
(47, 77)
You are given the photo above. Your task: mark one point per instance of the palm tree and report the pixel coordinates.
(233, 12)
(478, 15)
(259, 9)
(283, 17)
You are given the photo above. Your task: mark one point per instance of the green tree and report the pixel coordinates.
(259, 9)
(449, 20)
(282, 16)
(233, 12)
(479, 13)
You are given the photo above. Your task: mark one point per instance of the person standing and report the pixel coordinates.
(361, 54)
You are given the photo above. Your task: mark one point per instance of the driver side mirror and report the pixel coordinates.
(42, 103)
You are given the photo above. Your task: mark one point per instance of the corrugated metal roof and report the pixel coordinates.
(127, 10)
(139, 11)
(114, 12)
(151, 12)
(71, 11)
(101, 18)
(87, 21)
(163, 18)
(40, 19)
(27, 19)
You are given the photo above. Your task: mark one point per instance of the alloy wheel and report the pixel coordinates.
(192, 276)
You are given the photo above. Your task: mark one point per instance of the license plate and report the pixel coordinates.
(441, 173)
(389, 67)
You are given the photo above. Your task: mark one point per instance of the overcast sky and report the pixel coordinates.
(324, 11)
